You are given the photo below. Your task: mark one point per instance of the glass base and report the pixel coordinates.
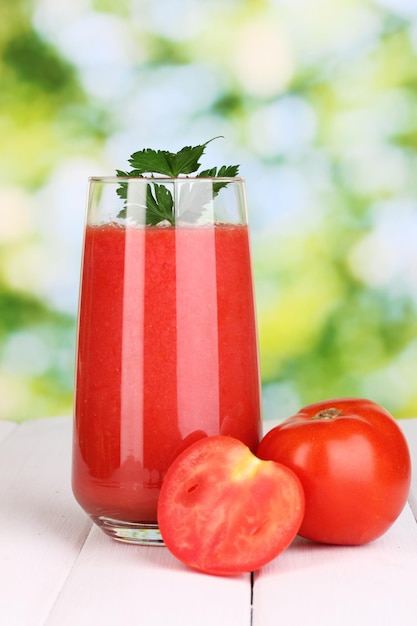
(144, 534)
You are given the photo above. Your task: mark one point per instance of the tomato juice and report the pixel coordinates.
(167, 354)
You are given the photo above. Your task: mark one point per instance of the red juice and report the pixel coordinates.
(167, 353)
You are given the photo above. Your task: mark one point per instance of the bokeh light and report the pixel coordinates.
(316, 100)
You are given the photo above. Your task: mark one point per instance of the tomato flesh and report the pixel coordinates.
(354, 464)
(223, 511)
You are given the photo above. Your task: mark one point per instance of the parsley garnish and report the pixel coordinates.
(159, 201)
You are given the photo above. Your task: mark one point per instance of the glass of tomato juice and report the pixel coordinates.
(167, 341)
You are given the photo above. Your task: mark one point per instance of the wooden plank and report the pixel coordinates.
(371, 585)
(6, 428)
(52, 563)
(114, 583)
(42, 529)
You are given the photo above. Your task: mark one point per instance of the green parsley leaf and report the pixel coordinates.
(170, 164)
(159, 205)
(226, 171)
(122, 190)
(159, 201)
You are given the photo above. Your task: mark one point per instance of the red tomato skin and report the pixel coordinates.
(223, 511)
(355, 468)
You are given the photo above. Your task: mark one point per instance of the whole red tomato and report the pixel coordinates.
(354, 464)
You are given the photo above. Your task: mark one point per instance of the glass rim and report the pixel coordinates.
(165, 179)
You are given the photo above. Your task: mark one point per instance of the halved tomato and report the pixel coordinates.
(224, 511)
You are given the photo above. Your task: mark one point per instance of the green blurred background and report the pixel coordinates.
(317, 100)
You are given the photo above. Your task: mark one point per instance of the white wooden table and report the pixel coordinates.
(56, 569)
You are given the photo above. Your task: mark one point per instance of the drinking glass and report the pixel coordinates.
(167, 341)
